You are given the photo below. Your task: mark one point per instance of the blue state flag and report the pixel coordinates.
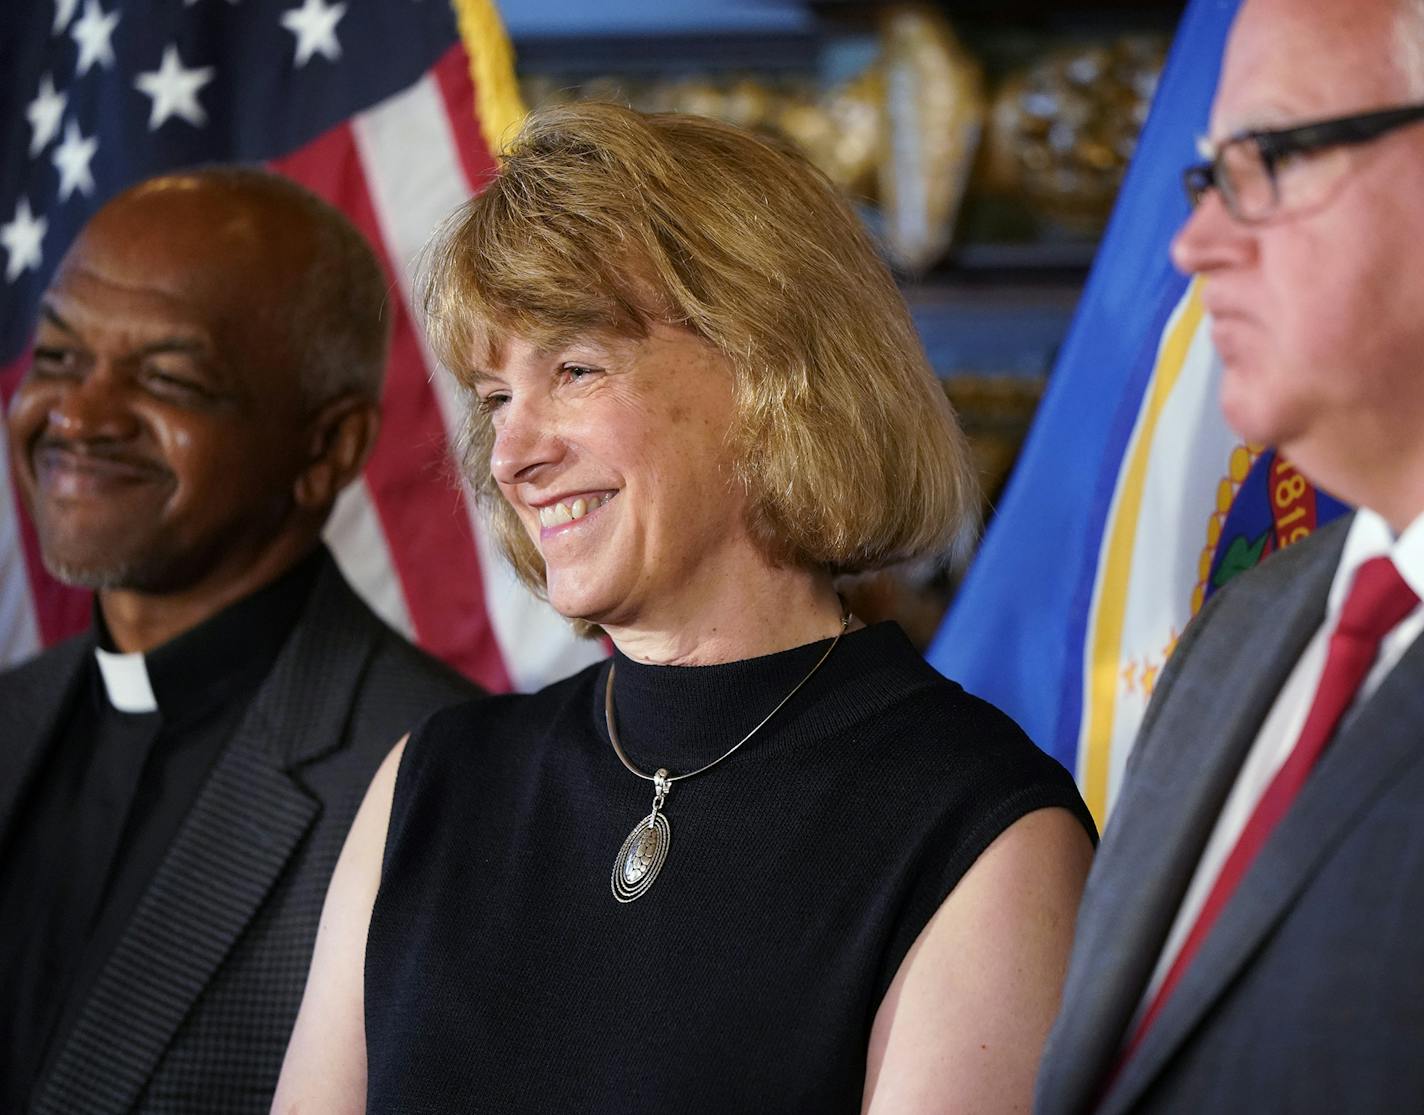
(1132, 501)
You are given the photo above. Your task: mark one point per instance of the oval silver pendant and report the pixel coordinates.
(641, 858)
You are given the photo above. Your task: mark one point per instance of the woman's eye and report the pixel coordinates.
(488, 404)
(576, 372)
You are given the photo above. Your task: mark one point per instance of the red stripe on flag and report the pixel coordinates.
(427, 529)
(60, 611)
(457, 90)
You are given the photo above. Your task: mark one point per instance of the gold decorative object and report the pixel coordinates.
(1062, 130)
(934, 110)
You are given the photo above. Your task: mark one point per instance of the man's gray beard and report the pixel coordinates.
(105, 577)
(150, 573)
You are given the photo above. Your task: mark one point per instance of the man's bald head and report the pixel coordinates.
(1409, 48)
(315, 283)
(206, 377)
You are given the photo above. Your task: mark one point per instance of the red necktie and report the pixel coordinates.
(1378, 600)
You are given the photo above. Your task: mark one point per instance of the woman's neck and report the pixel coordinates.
(736, 619)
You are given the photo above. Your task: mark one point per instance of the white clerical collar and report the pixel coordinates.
(126, 681)
(1370, 536)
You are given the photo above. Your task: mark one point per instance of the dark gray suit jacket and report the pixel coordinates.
(192, 1010)
(1308, 995)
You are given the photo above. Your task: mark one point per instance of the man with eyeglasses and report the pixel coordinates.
(1250, 938)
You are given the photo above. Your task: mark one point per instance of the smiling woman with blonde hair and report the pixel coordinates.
(764, 858)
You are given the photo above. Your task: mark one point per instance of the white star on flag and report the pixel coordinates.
(94, 32)
(21, 239)
(44, 114)
(174, 90)
(314, 25)
(63, 13)
(72, 159)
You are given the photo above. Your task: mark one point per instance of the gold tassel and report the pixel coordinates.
(498, 105)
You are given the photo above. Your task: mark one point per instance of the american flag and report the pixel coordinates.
(372, 106)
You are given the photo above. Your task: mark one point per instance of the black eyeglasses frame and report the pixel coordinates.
(1276, 145)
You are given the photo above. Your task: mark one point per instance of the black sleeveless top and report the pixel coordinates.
(501, 973)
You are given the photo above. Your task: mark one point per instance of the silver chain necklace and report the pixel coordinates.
(645, 851)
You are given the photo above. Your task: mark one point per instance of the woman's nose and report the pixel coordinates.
(525, 443)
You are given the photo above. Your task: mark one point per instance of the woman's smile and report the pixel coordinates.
(561, 514)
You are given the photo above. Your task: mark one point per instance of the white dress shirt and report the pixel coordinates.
(1369, 537)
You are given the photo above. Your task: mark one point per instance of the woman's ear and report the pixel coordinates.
(340, 438)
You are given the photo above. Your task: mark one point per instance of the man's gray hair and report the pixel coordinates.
(337, 324)
(1409, 45)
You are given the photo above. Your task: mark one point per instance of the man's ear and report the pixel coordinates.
(340, 437)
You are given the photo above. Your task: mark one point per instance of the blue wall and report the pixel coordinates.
(534, 19)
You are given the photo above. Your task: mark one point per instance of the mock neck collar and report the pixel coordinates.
(681, 717)
(190, 674)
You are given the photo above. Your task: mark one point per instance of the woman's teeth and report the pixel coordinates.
(558, 513)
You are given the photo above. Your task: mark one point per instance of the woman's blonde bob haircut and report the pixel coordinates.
(603, 219)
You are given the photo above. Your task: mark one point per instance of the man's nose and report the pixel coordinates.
(1211, 239)
(526, 443)
(93, 407)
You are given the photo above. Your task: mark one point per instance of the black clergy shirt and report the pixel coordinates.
(105, 803)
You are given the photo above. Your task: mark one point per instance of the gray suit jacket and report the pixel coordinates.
(192, 1010)
(1308, 995)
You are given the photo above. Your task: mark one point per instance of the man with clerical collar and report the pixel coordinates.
(176, 784)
